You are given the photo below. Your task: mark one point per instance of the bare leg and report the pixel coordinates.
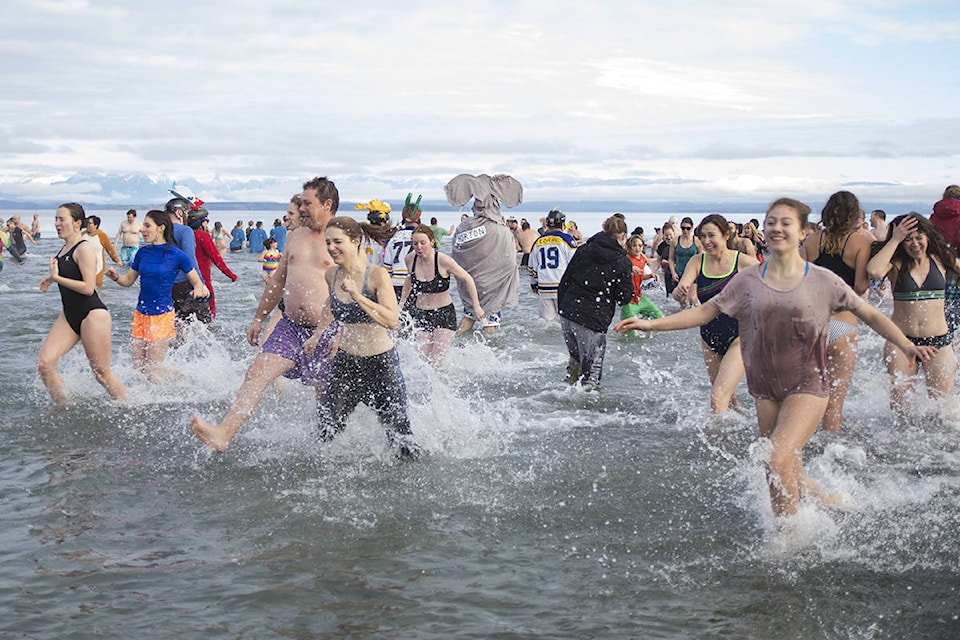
(57, 343)
(902, 372)
(148, 359)
(789, 425)
(940, 373)
(841, 362)
(266, 368)
(725, 374)
(435, 344)
(466, 325)
(95, 335)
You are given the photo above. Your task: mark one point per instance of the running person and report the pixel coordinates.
(919, 263)
(784, 307)
(708, 275)
(841, 248)
(551, 253)
(156, 264)
(426, 294)
(639, 305)
(365, 367)
(84, 318)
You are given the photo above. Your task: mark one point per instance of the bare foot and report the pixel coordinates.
(212, 435)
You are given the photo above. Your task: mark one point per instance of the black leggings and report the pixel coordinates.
(373, 380)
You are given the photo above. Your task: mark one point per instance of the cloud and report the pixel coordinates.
(693, 99)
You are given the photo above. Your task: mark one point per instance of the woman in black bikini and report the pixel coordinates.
(917, 261)
(84, 317)
(365, 367)
(426, 295)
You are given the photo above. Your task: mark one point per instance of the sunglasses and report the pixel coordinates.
(686, 228)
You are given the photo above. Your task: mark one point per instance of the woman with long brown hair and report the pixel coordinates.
(918, 262)
(842, 248)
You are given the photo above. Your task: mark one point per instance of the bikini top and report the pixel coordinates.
(834, 262)
(906, 289)
(438, 284)
(709, 286)
(350, 312)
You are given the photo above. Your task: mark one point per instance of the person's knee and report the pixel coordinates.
(782, 460)
(46, 363)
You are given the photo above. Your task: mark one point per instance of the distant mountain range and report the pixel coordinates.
(118, 191)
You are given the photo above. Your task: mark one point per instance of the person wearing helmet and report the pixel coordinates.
(549, 257)
(207, 254)
(185, 307)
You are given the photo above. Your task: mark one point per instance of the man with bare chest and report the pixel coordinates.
(128, 238)
(300, 287)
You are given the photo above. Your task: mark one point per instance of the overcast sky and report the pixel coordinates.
(683, 100)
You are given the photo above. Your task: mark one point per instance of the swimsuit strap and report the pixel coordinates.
(763, 270)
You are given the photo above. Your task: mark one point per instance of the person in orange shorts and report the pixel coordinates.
(156, 264)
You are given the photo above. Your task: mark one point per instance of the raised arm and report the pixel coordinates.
(881, 264)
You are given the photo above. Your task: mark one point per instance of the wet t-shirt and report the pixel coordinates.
(783, 334)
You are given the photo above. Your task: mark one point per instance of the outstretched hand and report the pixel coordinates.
(632, 324)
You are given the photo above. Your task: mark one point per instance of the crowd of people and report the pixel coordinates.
(777, 301)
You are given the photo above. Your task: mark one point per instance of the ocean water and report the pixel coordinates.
(539, 510)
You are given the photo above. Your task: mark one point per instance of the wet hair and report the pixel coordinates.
(720, 223)
(840, 217)
(614, 226)
(953, 191)
(433, 221)
(427, 231)
(880, 213)
(937, 247)
(217, 225)
(326, 190)
(346, 224)
(94, 219)
(75, 209)
(132, 212)
(803, 211)
(269, 243)
(162, 219)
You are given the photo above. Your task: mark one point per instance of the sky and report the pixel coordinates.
(689, 100)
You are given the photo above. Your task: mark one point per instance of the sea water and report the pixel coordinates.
(539, 510)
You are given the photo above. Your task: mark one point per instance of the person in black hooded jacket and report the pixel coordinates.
(597, 279)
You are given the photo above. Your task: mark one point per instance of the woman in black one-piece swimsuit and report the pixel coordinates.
(84, 317)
